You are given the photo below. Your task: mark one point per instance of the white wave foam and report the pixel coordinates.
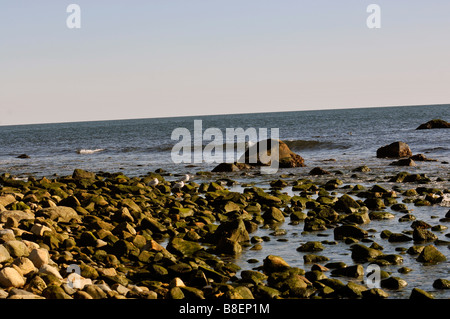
(87, 151)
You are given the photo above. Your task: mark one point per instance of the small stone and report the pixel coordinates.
(4, 254)
(311, 246)
(420, 294)
(375, 293)
(349, 231)
(274, 263)
(39, 229)
(47, 269)
(441, 284)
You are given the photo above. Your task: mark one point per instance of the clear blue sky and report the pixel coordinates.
(139, 59)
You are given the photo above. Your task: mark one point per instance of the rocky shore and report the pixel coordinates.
(105, 235)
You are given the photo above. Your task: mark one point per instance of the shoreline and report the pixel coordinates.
(132, 240)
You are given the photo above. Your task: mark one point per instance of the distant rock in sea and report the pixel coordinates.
(436, 123)
(23, 156)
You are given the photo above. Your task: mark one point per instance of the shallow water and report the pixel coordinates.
(421, 276)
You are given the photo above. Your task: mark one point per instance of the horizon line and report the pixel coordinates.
(223, 114)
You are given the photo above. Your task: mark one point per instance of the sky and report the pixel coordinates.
(159, 58)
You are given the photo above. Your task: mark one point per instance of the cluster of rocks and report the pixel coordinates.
(402, 152)
(110, 236)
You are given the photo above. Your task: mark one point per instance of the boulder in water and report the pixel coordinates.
(252, 157)
(436, 123)
(394, 150)
(286, 158)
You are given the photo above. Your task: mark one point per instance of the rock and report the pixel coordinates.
(363, 253)
(50, 270)
(430, 254)
(433, 124)
(287, 158)
(265, 292)
(274, 263)
(346, 204)
(82, 174)
(422, 158)
(311, 258)
(10, 277)
(6, 200)
(183, 247)
(17, 248)
(353, 290)
(420, 224)
(441, 284)
(349, 231)
(419, 294)
(18, 215)
(253, 276)
(394, 150)
(228, 247)
(16, 293)
(234, 230)
(380, 215)
(176, 293)
(25, 265)
(404, 162)
(374, 293)
(39, 230)
(375, 203)
(226, 167)
(273, 215)
(39, 257)
(423, 235)
(363, 169)
(4, 254)
(311, 246)
(393, 283)
(55, 292)
(318, 171)
(398, 237)
(23, 156)
(95, 292)
(60, 214)
(354, 271)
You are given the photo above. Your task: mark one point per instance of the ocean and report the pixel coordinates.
(347, 137)
(336, 140)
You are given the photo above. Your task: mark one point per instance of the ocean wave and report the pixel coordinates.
(88, 151)
(299, 145)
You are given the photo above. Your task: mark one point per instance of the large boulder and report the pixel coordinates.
(436, 123)
(252, 157)
(394, 150)
(286, 157)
